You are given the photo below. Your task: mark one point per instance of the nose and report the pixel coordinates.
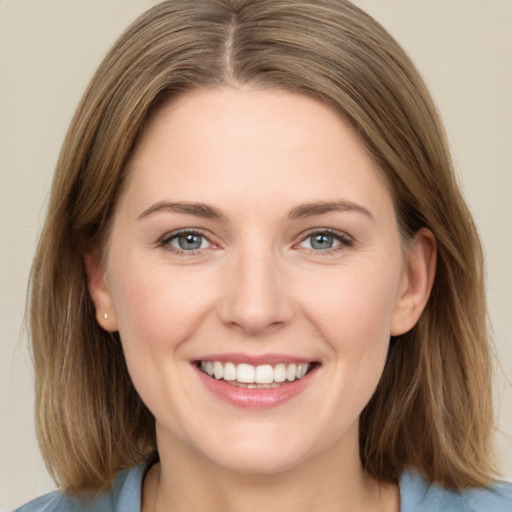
(256, 296)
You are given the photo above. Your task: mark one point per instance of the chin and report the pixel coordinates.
(259, 449)
(257, 461)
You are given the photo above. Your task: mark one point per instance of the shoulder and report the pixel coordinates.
(57, 501)
(124, 496)
(417, 494)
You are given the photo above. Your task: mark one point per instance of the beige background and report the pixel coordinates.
(50, 48)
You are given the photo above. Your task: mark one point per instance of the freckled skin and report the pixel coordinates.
(256, 285)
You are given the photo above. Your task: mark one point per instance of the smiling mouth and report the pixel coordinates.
(255, 377)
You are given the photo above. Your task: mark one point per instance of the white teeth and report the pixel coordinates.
(245, 373)
(264, 374)
(229, 371)
(291, 372)
(218, 370)
(280, 373)
(301, 370)
(254, 376)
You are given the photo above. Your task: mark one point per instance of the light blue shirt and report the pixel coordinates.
(415, 495)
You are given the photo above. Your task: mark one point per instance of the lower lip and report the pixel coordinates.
(254, 398)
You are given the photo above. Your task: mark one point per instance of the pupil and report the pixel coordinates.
(322, 242)
(189, 242)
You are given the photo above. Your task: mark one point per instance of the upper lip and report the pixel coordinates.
(254, 359)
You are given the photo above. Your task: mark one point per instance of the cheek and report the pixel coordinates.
(158, 310)
(354, 305)
(156, 307)
(352, 314)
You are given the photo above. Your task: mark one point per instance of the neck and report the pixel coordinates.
(185, 481)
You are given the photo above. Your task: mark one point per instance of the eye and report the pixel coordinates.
(185, 241)
(325, 241)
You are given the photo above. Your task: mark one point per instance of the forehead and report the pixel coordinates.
(216, 145)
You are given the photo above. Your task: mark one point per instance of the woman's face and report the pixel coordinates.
(255, 239)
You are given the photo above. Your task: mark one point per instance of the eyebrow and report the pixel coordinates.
(198, 209)
(299, 212)
(320, 208)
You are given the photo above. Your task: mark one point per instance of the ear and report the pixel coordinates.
(416, 284)
(99, 292)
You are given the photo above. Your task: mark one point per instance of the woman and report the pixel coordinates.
(258, 284)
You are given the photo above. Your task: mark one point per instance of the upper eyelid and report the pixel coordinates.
(184, 231)
(330, 231)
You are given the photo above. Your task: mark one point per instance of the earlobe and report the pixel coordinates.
(417, 281)
(99, 292)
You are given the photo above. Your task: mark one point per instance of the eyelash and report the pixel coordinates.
(345, 242)
(166, 240)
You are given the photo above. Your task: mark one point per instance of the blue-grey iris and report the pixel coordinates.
(190, 242)
(322, 241)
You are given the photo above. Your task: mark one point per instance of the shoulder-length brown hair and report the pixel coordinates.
(432, 410)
